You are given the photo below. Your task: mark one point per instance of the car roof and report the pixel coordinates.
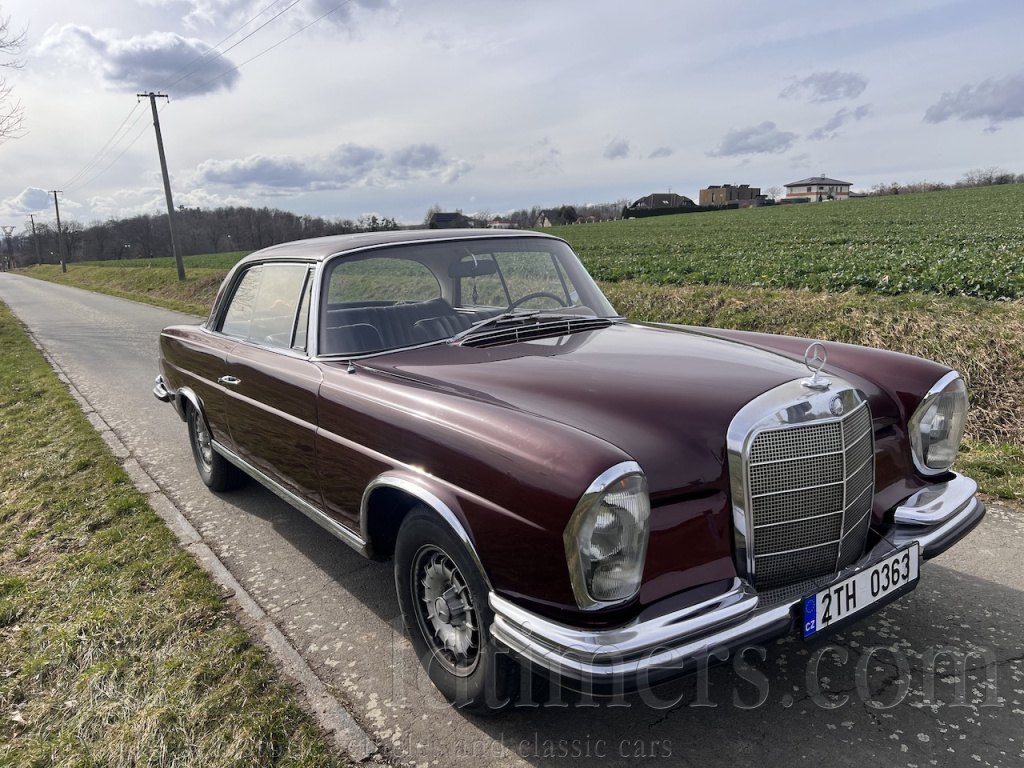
(320, 248)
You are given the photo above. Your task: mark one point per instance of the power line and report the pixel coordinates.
(265, 50)
(74, 184)
(233, 45)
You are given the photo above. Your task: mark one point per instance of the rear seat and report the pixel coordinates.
(355, 330)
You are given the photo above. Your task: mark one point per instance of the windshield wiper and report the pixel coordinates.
(512, 317)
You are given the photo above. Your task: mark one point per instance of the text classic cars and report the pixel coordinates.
(592, 499)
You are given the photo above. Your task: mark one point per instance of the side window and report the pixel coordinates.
(264, 304)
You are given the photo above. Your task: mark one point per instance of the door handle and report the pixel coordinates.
(230, 381)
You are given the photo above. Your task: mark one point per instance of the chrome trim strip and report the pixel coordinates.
(638, 649)
(443, 510)
(315, 514)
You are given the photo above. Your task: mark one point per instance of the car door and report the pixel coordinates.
(272, 406)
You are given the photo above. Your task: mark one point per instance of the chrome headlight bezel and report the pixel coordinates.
(938, 424)
(614, 515)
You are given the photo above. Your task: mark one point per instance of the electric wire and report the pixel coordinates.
(112, 144)
(261, 53)
(233, 45)
(142, 132)
(105, 149)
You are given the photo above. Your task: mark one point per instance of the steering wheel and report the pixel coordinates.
(538, 295)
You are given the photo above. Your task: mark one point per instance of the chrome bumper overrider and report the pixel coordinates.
(646, 652)
(160, 391)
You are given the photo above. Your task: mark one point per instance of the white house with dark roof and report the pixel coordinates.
(818, 188)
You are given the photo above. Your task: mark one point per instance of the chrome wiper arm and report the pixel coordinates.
(514, 315)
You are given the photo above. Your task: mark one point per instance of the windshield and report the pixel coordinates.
(414, 294)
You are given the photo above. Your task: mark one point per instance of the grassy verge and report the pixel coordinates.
(115, 648)
(984, 340)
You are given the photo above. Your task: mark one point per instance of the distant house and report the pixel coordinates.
(501, 224)
(550, 218)
(723, 194)
(661, 200)
(816, 189)
(454, 220)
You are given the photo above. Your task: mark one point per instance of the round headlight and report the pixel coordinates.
(606, 538)
(937, 425)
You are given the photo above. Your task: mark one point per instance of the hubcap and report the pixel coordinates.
(444, 611)
(203, 441)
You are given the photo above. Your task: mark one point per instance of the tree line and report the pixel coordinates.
(148, 236)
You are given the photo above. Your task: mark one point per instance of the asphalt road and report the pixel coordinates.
(935, 679)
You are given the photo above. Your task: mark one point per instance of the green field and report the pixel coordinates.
(966, 242)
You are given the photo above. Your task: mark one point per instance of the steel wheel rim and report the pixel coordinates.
(204, 444)
(445, 613)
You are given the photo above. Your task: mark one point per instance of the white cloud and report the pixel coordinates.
(616, 149)
(156, 61)
(347, 166)
(765, 138)
(842, 117)
(997, 101)
(539, 159)
(31, 200)
(661, 152)
(826, 86)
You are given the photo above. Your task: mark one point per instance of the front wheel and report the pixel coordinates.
(444, 603)
(216, 472)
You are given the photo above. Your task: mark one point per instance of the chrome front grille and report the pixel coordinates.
(809, 480)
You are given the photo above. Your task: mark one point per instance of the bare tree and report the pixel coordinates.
(11, 114)
(774, 192)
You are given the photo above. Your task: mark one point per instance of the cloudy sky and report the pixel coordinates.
(387, 107)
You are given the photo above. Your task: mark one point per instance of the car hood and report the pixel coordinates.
(665, 396)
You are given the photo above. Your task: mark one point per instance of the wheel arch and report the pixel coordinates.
(391, 497)
(185, 398)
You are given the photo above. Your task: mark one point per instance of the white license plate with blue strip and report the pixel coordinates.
(865, 589)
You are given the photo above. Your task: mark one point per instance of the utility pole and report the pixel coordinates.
(39, 256)
(167, 182)
(60, 233)
(8, 231)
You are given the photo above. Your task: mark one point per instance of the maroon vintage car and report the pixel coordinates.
(606, 502)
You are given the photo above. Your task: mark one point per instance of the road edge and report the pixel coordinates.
(341, 729)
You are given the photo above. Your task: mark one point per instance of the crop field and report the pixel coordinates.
(967, 242)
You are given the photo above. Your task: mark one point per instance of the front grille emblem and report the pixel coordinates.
(815, 358)
(836, 406)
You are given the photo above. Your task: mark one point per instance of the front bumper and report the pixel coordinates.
(645, 653)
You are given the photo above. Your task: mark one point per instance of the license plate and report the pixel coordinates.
(862, 591)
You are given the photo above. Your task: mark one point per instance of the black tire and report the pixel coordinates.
(215, 471)
(444, 604)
